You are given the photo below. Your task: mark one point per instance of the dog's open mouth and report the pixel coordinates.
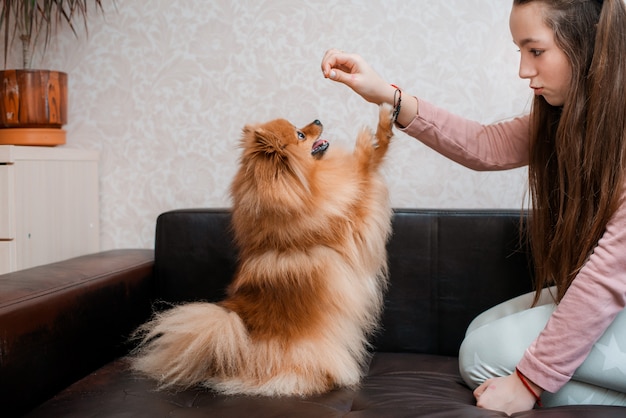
(319, 147)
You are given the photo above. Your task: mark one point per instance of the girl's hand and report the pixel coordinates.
(507, 394)
(354, 72)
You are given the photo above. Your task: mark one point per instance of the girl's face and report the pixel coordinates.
(542, 62)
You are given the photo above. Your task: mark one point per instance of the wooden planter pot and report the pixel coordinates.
(33, 107)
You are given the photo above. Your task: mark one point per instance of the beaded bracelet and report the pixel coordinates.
(527, 386)
(396, 104)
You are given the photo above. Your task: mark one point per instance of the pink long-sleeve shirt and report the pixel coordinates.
(597, 294)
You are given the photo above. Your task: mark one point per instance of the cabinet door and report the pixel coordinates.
(7, 219)
(57, 207)
(7, 256)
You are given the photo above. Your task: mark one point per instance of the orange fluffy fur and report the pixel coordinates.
(308, 292)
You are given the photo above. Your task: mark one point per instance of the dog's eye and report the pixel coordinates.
(301, 136)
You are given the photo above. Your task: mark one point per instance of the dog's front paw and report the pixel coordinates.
(384, 131)
(371, 148)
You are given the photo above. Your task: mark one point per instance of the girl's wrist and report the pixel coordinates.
(405, 107)
(386, 95)
(531, 387)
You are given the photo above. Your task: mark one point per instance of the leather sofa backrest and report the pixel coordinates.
(446, 266)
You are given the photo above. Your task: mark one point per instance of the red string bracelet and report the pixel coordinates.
(527, 386)
(396, 104)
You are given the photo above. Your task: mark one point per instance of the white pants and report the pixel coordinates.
(495, 342)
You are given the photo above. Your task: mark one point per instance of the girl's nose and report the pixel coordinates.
(526, 69)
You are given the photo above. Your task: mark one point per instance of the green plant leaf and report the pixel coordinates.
(33, 22)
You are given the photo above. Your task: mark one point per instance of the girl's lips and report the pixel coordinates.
(538, 90)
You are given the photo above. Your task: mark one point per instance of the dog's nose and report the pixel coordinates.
(317, 122)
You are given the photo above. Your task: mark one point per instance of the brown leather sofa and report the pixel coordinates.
(64, 327)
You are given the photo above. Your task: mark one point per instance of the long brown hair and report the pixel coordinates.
(577, 155)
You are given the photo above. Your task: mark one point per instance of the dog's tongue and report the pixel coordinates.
(319, 146)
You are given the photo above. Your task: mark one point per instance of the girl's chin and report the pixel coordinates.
(552, 101)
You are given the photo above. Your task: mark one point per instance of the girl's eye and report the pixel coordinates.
(536, 52)
(301, 136)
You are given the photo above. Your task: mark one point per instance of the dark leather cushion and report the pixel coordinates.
(397, 385)
(445, 268)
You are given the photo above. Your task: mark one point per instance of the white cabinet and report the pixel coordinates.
(49, 207)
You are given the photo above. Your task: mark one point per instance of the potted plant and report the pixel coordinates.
(33, 102)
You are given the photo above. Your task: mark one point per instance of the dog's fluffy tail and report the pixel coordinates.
(189, 344)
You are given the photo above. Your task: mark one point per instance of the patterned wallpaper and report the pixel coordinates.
(163, 88)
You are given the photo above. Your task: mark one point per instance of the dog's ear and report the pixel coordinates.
(268, 140)
(274, 136)
(260, 139)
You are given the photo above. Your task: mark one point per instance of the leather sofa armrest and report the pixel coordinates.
(61, 321)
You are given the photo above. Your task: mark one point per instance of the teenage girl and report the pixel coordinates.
(566, 343)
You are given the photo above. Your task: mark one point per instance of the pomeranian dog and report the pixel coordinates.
(311, 225)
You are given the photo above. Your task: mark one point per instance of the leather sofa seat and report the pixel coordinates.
(64, 327)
